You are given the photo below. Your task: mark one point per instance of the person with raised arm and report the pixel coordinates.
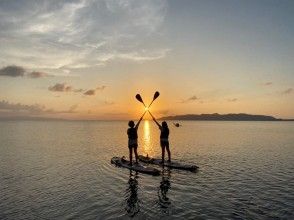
(133, 138)
(164, 134)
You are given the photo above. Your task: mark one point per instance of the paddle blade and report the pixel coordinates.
(156, 94)
(139, 98)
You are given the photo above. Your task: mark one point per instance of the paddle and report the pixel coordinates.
(156, 94)
(139, 98)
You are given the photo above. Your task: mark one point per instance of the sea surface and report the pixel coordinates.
(62, 170)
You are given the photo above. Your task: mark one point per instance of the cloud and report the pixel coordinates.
(191, 99)
(162, 112)
(109, 102)
(60, 87)
(90, 92)
(12, 71)
(233, 100)
(36, 74)
(80, 33)
(93, 92)
(288, 91)
(35, 109)
(118, 114)
(267, 83)
(78, 90)
(63, 87)
(101, 88)
(18, 71)
(73, 108)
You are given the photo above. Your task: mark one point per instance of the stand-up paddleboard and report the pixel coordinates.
(121, 162)
(172, 164)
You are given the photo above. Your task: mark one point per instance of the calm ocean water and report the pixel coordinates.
(62, 170)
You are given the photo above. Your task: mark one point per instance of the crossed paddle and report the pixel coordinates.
(139, 98)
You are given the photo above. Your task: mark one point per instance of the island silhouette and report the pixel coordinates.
(224, 117)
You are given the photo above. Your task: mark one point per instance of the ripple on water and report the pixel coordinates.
(62, 170)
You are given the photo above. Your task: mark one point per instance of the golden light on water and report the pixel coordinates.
(147, 139)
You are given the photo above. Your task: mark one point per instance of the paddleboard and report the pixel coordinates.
(172, 164)
(122, 162)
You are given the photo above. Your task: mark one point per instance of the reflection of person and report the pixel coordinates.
(132, 201)
(164, 143)
(165, 185)
(133, 138)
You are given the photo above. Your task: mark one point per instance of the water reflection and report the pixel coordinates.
(164, 187)
(147, 138)
(131, 196)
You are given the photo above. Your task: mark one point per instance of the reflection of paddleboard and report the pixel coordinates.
(121, 162)
(172, 164)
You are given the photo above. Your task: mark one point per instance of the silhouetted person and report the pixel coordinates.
(164, 143)
(133, 138)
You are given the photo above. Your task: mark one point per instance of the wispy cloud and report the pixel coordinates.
(232, 100)
(60, 87)
(90, 92)
(79, 33)
(15, 109)
(117, 114)
(36, 74)
(78, 90)
(191, 99)
(73, 108)
(287, 91)
(36, 108)
(101, 88)
(109, 102)
(267, 83)
(63, 87)
(162, 112)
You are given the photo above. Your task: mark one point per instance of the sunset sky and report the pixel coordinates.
(81, 59)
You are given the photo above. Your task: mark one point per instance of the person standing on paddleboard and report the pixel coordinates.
(133, 138)
(164, 133)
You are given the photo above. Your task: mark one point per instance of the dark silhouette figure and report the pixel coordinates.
(133, 138)
(164, 134)
(132, 201)
(165, 185)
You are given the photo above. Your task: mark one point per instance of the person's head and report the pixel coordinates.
(164, 124)
(131, 124)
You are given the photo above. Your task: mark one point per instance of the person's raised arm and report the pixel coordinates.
(138, 123)
(155, 120)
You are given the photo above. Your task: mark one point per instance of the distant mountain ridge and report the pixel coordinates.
(224, 117)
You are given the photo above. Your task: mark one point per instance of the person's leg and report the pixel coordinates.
(131, 155)
(168, 152)
(162, 153)
(136, 154)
